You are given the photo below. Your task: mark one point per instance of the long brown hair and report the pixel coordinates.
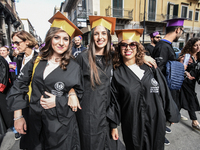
(23, 35)
(118, 60)
(47, 51)
(94, 76)
(188, 48)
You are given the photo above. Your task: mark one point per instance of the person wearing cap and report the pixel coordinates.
(77, 48)
(140, 98)
(164, 52)
(96, 63)
(52, 120)
(155, 38)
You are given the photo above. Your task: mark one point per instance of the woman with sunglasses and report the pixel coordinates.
(140, 98)
(96, 63)
(52, 123)
(24, 42)
(155, 38)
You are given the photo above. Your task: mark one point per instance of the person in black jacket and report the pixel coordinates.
(6, 117)
(77, 48)
(52, 120)
(164, 52)
(188, 96)
(140, 97)
(155, 38)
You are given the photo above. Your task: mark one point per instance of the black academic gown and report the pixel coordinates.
(162, 53)
(188, 96)
(6, 118)
(94, 127)
(57, 127)
(142, 106)
(149, 49)
(24, 138)
(18, 61)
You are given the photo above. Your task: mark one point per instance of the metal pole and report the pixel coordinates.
(144, 19)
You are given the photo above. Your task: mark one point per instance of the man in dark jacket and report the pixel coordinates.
(164, 52)
(77, 48)
(155, 38)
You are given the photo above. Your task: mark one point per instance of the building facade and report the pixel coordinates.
(130, 14)
(9, 21)
(159, 10)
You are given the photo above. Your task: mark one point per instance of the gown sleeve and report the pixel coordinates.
(161, 57)
(17, 97)
(171, 110)
(113, 111)
(64, 112)
(3, 74)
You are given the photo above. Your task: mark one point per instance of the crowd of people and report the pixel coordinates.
(68, 97)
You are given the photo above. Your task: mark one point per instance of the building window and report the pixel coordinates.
(197, 16)
(172, 10)
(152, 10)
(84, 4)
(184, 11)
(190, 15)
(118, 8)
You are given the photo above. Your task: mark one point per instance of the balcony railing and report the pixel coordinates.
(119, 13)
(156, 17)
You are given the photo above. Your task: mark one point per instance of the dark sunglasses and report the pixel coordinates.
(17, 43)
(158, 37)
(131, 45)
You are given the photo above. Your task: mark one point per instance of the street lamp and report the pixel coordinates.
(144, 19)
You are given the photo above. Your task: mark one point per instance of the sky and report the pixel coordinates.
(38, 12)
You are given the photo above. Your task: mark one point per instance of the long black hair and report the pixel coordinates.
(94, 76)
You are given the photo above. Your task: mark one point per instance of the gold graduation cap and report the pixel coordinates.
(60, 21)
(107, 22)
(129, 34)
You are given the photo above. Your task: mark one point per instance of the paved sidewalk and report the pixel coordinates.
(183, 136)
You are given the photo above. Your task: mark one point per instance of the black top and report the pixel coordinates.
(162, 53)
(93, 123)
(188, 96)
(4, 75)
(142, 107)
(149, 48)
(76, 51)
(59, 126)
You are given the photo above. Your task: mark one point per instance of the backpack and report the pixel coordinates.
(174, 74)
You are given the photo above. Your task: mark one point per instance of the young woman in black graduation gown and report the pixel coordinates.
(140, 98)
(97, 72)
(96, 63)
(188, 96)
(53, 123)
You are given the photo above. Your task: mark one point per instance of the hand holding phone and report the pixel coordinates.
(186, 59)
